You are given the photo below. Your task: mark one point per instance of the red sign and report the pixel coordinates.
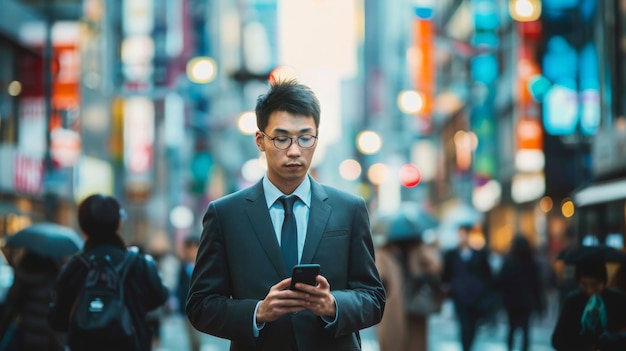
(28, 174)
(65, 89)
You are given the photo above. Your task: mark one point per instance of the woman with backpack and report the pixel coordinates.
(77, 302)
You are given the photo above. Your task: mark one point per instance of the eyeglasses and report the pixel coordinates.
(281, 142)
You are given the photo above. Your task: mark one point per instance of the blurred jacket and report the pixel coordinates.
(397, 331)
(519, 283)
(28, 303)
(569, 335)
(144, 290)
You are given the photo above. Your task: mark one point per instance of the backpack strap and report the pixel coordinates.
(123, 268)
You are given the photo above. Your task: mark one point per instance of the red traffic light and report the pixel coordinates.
(410, 175)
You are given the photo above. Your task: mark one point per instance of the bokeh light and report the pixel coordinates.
(378, 173)
(410, 175)
(369, 142)
(546, 204)
(15, 88)
(181, 217)
(567, 208)
(410, 101)
(201, 70)
(247, 123)
(350, 169)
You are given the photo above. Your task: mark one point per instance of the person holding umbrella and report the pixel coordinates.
(593, 316)
(409, 268)
(24, 324)
(37, 252)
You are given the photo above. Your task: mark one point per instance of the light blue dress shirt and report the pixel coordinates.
(301, 209)
(277, 214)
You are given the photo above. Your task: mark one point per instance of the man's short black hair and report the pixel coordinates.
(191, 240)
(593, 268)
(289, 96)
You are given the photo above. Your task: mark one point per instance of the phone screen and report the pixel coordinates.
(304, 273)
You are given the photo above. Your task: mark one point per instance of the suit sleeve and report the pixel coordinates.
(361, 305)
(209, 306)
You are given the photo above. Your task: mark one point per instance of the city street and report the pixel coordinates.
(443, 335)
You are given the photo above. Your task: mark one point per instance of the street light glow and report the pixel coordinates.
(201, 70)
(410, 101)
(15, 88)
(369, 142)
(525, 10)
(350, 169)
(253, 169)
(181, 217)
(378, 173)
(247, 123)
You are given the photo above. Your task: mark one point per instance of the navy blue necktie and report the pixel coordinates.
(289, 234)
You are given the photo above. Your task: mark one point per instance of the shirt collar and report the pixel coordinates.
(303, 191)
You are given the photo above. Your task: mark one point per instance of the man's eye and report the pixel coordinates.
(282, 139)
(305, 138)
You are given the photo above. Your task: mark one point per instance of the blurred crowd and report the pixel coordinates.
(418, 274)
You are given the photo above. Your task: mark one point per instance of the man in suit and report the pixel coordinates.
(467, 278)
(240, 284)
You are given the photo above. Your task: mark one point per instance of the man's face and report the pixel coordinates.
(191, 252)
(463, 235)
(287, 168)
(590, 285)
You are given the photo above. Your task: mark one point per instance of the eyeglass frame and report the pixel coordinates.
(291, 140)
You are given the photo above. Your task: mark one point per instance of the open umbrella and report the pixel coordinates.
(579, 253)
(407, 223)
(47, 239)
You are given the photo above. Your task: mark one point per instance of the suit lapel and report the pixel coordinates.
(318, 217)
(261, 224)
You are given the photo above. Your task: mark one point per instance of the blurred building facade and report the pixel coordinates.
(513, 109)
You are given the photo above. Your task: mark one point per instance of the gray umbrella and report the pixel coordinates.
(47, 239)
(404, 225)
(581, 253)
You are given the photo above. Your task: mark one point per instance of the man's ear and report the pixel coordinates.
(258, 138)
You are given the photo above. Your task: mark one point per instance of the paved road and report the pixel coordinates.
(443, 335)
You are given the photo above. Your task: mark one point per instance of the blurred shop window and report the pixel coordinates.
(590, 240)
(615, 240)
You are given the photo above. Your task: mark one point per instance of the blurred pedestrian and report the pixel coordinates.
(240, 284)
(519, 282)
(593, 316)
(407, 265)
(24, 324)
(187, 262)
(100, 218)
(468, 281)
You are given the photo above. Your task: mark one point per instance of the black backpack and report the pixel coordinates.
(100, 315)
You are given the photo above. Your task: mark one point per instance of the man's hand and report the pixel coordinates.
(318, 298)
(279, 301)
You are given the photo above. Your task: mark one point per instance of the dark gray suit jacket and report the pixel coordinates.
(239, 260)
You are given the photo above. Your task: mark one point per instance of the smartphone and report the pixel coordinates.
(304, 273)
